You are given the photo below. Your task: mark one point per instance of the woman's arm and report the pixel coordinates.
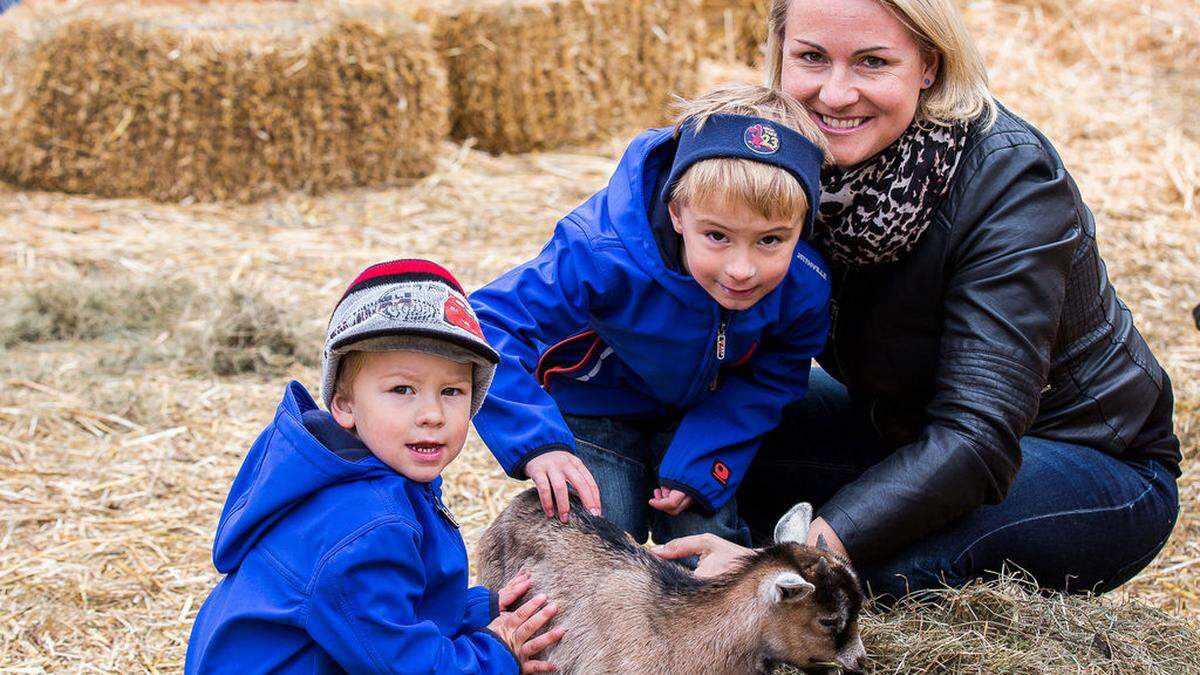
(1012, 240)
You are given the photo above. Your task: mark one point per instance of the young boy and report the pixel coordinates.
(666, 324)
(338, 552)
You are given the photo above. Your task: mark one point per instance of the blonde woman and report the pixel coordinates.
(986, 399)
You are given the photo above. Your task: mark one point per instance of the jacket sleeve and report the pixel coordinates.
(522, 313)
(362, 612)
(483, 606)
(717, 439)
(1012, 240)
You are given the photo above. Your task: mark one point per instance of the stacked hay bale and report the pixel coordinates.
(536, 74)
(228, 102)
(737, 29)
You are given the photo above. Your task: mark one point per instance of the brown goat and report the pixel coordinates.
(627, 611)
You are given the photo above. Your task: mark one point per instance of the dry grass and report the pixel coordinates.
(250, 334)
(1005, 626)
(111, 479)
(85, 309)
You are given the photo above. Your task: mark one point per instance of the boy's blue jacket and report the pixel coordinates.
(335, 565)
(598, 324)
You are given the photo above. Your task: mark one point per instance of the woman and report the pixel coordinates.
(985, 398)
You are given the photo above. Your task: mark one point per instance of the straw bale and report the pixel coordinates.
(537, 74)
(227, 102)
(736, 29)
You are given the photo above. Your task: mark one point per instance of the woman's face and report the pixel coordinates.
(859, 71)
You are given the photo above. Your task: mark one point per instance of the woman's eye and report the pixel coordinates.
(873, 62)
(452, 391)
(812, 57)
(402, 389)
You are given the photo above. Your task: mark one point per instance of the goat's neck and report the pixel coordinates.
(720, 625)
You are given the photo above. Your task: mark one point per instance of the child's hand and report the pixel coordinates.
(552, 472)
(516, 587)
(518, 627)
(671, 502)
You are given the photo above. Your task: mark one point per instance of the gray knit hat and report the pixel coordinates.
(413, 305)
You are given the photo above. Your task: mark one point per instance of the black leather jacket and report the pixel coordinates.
(1000, 323)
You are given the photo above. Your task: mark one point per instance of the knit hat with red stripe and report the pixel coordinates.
(413, 305)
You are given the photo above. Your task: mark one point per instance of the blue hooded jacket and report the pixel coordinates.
(599, 324)
(335, 562)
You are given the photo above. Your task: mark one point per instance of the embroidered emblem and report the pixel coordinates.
(720, 471)
(458, 314)
(406, 307)
(761, 139)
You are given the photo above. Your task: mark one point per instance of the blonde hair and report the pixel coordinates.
(349, 366)
(960, 91)
(767, 190)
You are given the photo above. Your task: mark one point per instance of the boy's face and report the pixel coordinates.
(733, 253)
(411, 409)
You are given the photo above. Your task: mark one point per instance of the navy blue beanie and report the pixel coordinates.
(756, 139)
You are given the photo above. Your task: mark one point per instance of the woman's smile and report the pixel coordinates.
(840, 125)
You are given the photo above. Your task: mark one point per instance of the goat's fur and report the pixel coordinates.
(627, 611)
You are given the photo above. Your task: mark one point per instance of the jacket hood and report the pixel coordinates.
(636, 213)
(284, 466)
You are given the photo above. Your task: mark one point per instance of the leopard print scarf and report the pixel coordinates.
(874, 212)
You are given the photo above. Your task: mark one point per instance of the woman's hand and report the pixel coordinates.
(717, 556)
(552, 472)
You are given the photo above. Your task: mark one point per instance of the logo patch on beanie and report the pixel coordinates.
(762, 139)
(456, 313)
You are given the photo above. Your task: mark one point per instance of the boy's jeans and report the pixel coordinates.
(1076, 519)
(623, 456)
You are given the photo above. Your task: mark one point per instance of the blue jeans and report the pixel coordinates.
(623, 456)
(1075, 519)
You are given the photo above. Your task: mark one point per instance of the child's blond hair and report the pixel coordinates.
(767, 190)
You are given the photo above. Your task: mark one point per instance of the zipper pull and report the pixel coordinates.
(443, 509)
(721, 334)
(446, 512)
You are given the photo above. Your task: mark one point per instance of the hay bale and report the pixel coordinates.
(736, 30)
(538, 74)
(227, 103)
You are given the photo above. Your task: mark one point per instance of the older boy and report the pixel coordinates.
(667, 323)
(338, 552)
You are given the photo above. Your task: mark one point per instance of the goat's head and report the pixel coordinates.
(812, 597)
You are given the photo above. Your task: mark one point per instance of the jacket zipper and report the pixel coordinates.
(442, 508)
(721, 326)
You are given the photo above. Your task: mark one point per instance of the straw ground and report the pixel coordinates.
(117, 444)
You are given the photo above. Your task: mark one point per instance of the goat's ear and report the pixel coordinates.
(793, 526)
(786, 587)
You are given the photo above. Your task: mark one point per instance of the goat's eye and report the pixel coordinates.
(828, 622)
